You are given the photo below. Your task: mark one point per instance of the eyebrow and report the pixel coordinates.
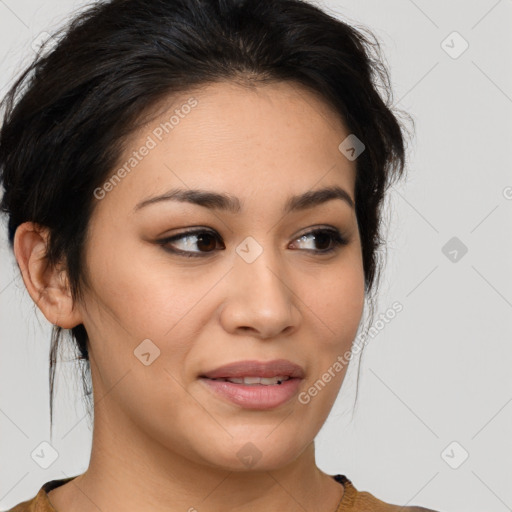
(229, 203)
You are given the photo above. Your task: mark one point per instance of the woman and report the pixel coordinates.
(151, 128)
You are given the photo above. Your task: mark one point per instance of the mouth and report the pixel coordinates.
(255, 381)
(281, 368)
(255, 384)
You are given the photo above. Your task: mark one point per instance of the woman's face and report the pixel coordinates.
(247, 285)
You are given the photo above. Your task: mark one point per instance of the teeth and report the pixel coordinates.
(266, 381)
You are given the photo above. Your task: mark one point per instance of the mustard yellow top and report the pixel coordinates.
(351, 501)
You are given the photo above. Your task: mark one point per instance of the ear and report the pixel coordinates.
(48, 286)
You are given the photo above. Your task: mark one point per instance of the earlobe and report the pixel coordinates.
(47, 285)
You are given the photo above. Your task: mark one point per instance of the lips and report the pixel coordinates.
(258, 369)
(255, 381)
(256, 385)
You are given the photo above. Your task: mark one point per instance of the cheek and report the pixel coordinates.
(336, 309)
(144, 295)
(337, 299)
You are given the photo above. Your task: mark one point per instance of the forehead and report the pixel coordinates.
(277, 138)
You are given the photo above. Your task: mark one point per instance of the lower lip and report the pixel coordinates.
(257, 396)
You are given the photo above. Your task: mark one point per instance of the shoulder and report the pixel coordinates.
(354, 500)
(28, 505)
(31, 505)
(40, 502)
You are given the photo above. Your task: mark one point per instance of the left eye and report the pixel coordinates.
(207, 242)
(324, 237)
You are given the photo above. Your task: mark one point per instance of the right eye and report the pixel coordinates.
(200, 238)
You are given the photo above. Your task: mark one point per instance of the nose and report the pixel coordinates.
(260, 298)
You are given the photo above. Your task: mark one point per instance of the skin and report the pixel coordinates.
(162, 441)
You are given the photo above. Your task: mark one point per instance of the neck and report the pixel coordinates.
(130, 472)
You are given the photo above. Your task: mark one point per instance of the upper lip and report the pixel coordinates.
(238, 369)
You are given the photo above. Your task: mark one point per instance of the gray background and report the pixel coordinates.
(439, 372)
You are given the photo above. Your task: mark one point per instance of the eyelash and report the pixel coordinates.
(336, 237)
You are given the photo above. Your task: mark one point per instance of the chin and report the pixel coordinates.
(257, 453)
